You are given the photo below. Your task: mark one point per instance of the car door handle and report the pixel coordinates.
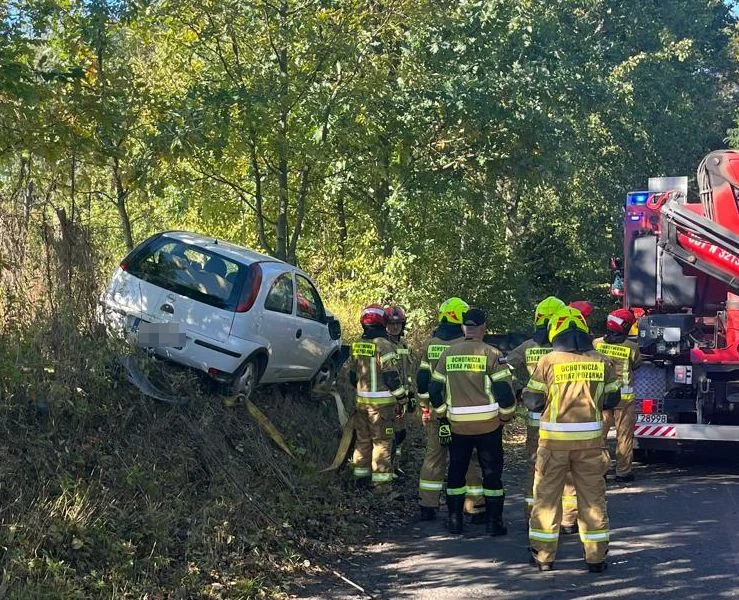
(168, 308)
(298, 333)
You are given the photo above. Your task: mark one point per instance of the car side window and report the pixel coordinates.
(310, 305)
(280, 295)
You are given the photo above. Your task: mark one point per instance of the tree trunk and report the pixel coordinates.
(381, 197)
(121, 193)
(343, 229)
(283, 198)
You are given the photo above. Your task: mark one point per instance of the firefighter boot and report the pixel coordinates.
(597, 567)
(455, 506)
(494, 511)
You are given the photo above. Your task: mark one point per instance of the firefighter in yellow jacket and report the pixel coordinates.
(626, 359)
(523, 360)
(472, 393)
(433, 470)
(570, 387)
(374, 371)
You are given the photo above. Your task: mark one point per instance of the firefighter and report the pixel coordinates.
(472, 393)
(570, 387)
(523, 361)
(433, 470)
(626, 358)
(396, 321)
(375, 372)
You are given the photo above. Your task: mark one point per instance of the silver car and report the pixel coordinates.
(241, 317)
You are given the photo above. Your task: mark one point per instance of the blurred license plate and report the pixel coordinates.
(158, 335)
(651, 419)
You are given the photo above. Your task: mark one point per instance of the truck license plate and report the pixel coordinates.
(651, 419)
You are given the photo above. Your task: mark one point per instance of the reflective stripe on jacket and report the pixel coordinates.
(370, 360)
(573, 386)
(626, 358)
(470, 373)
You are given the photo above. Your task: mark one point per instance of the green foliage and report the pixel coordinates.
(400, 151)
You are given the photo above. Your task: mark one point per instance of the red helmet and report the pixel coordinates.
(585, 308)
(395, 314)
(620, 320)
(373, 314)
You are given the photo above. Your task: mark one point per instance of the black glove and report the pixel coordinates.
(411, 404)
(445, 432)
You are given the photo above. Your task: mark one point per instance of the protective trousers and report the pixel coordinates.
(375, 429)
(433, 472)
(489, 448)
(569, 497)
(623, 416)
(399, 436)
(587, 468)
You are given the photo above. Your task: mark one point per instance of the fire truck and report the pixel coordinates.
(680, 276)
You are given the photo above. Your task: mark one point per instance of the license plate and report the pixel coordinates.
(161, 335)
(651, 419)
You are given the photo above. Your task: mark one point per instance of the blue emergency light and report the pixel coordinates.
(637, 198)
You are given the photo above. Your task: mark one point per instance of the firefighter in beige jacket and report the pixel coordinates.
(570, 387)
(472, 393)
(626, 359)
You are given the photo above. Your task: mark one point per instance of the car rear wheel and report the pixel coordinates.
(247, 379)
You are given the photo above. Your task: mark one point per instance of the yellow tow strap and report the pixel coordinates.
(347, 437)
(261, 419)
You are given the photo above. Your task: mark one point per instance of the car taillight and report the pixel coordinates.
(647, 406)
(251, 288)
(124, 265)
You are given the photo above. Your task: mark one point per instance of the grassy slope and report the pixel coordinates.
(106, 494)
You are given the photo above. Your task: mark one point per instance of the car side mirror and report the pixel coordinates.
(334, 327)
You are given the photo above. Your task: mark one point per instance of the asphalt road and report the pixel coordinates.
(674, 532)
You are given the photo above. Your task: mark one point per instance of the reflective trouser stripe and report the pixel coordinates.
(569, 500)
(474, 491)
(433, 486)
(440, 409)
(601, 535)
(382, 477)
(544, 536)
(456, 491)
(382, 401)
(495, 493)
(529, 501)
(362, 472)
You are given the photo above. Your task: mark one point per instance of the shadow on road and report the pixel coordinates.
(673, 532)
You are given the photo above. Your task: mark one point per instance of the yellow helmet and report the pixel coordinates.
(564, 319)
(545, 309)
(453, 309)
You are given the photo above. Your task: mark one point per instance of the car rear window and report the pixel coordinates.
(190, 271)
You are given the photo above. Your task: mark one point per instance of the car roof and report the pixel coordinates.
(227, 249)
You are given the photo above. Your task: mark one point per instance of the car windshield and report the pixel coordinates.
(190, 271)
